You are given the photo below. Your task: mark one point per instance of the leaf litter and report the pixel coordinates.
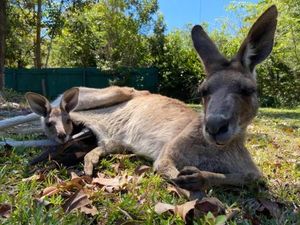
(5, 210)
(78, 193)
(193, 209)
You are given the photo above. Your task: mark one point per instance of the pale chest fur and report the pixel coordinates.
(191, 149)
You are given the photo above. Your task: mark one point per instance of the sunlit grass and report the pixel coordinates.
(273, 140)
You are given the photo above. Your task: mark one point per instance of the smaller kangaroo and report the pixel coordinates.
(195, 151)
(55, 117)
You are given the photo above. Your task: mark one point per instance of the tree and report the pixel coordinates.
(32, 25)
(3, 5)
(180, 68)
(54, 23)
(20, 34)
(38, 57)
(107, 34)
(279, 76)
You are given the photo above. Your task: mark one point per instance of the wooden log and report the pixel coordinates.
(4, 124)
(85, 133)
(30, 143)
(26, 131)
(54, 151)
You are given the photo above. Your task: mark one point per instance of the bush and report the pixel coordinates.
(180, 68)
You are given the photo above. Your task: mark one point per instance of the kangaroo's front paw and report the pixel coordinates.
(191, 178)
(90, 160)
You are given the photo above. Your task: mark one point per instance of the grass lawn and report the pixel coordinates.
(273, 140)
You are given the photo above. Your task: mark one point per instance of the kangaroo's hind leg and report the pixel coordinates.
(90, 98)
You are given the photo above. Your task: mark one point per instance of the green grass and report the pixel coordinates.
(273, 140)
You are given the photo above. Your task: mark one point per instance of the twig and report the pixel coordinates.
(125, 213)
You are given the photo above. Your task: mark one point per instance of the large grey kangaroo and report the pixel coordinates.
(195, 150)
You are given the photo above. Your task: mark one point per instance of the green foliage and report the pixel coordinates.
(19, 38)
(107, 34)
(10, 95)
(273, 142)
(279, 76)
(127, 33)
(180, 67)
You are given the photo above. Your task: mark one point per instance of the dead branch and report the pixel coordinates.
(26, 131)
(85, 133)
(4, 124)
(54, 151)
(31, 143)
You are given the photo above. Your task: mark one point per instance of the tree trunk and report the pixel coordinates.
(38, 59)
(2, 40)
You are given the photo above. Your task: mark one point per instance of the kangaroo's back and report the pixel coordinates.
(146, 123)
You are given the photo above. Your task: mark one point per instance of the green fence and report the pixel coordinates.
(54, 81)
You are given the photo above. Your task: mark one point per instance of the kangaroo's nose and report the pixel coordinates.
(61, 136)
(216, 124)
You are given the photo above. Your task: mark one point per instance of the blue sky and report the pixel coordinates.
(178, 13)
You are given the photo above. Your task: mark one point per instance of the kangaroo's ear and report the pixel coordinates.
(38, 103)
(69, 100)
(207, 50)
(259, 41)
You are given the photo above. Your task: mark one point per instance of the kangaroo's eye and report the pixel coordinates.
(247, 91)
(204, 91)
(49, 124)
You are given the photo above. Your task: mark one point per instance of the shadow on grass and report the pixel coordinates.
(257, 204)
(260, 138)
(279, 115)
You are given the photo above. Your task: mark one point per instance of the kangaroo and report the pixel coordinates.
(55, 118)
(196, 151)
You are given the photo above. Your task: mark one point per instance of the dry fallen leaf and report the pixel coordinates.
(112, 184)
(74, 175)
(232, 212)
(106, 181)
(42, 201)
(89, 209)
(5, 210)
(79, 200)
(213, 205)
(193, 209)
(118, 167)
(75, 183)
(161, 208)
(180, 210)
(110, 189)
(186, 210)
(142, 169)
(288, 130)
(253, 219)
(48, 191)
(36, 177)
(269, 207)
(173, 190)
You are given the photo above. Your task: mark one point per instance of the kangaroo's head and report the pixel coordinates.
(229, 91)
(56, 121)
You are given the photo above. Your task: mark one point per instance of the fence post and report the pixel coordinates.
(43, 83)
(84, 77)
(15, 74)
